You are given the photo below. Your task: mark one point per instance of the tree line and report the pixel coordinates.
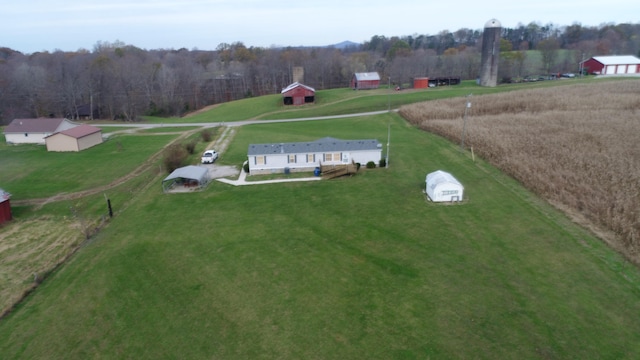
(115, 80)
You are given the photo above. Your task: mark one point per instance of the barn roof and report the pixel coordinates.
(79, 131)
(326, 144)
(295, 85)
(41, 125)
(617, 60)
(367, 76)
(189, 172)
(4, 196)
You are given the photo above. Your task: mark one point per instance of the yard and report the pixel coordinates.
(363, 267)
(356, 268)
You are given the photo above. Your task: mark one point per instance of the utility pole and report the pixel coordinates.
(389, 96)
(464, 125)
(386, 162)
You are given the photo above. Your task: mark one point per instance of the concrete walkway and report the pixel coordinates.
(243, 176)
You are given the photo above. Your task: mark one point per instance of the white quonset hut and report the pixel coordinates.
(442, 186)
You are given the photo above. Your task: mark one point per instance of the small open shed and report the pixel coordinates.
(186, 178)
(5, 207)
(442, 186)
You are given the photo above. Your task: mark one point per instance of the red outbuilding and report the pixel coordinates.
(362, 81)
(611, 65)
(420, 83)
(298, 94)
(5, 206)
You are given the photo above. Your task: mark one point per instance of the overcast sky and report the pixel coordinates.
(48, 25)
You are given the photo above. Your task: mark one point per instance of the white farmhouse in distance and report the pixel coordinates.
(34, 131)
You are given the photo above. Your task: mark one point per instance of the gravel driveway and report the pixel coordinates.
(220, 171)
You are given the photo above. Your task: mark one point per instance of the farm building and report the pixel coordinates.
(84, 112)
(298, 94)
(420, 83)
(75, 139)
(186, 179)
(33, 131)
(5, 207)
(307, 156)
(442, 186)
(363, 81)
(611, 65)
(443, 81)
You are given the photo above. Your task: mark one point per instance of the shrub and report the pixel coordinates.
(371, 165)
(358, 166)
(206, 135)
(190, 147)
(246, 167)
(174, 157)
(383, 162)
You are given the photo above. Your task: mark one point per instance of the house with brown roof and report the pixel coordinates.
(33, 131)
(75, 139)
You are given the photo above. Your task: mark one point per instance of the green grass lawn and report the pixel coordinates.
(30, 171)
(353, 268)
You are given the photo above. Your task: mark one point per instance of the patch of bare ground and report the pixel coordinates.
(575, 146)
(29, 250)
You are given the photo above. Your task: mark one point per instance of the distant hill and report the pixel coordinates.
(345, 44)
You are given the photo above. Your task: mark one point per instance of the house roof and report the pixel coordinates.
(79, 131)
(326, 144)
(40, 125)
(617, 60)
(367, 76)
(4, 196)
(295, 85)
(189, 172)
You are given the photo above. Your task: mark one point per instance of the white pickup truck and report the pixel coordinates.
(209, 157)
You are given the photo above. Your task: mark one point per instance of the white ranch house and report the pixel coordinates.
(306, 156)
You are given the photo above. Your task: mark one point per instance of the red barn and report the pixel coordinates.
(362, 81)
(298, 94)
(5, 206)
(611, 65)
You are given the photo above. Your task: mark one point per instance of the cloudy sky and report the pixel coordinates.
(48, 25)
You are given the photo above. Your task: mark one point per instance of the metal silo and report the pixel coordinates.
(490, 53)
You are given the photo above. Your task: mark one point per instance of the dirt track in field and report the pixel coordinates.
(220, 143)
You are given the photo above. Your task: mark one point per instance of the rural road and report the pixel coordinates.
(242, 122)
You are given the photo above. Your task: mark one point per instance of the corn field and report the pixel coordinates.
(576, 146)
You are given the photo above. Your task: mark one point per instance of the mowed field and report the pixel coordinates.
(353, 268)
(578, 149)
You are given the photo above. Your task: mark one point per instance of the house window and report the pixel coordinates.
(311, 158)
(332, 157)
(261, 160)
(450, 192)
(292, 159)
